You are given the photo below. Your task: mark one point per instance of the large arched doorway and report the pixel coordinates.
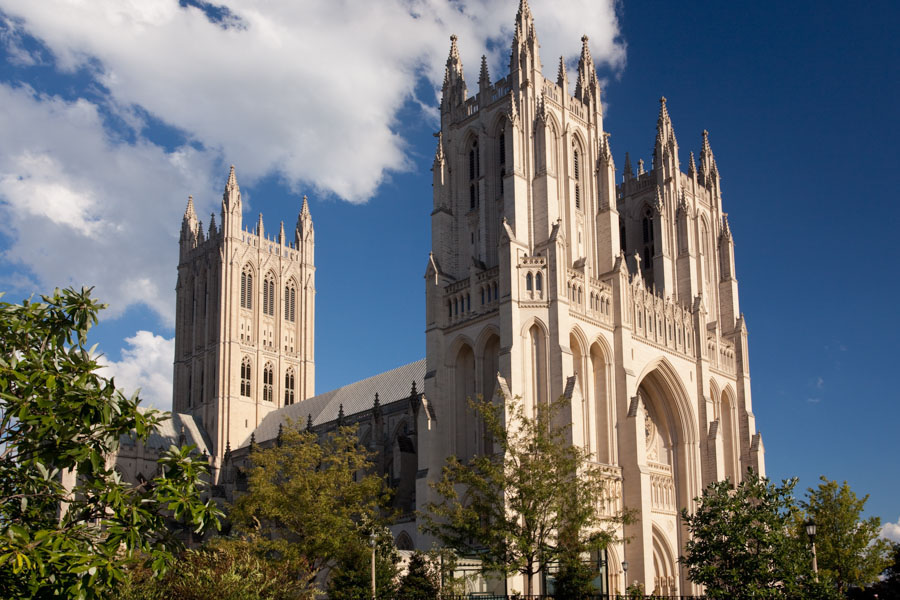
(670, 438)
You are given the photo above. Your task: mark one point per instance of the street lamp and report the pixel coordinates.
(625, 573)
(811, 532)
(372, 543)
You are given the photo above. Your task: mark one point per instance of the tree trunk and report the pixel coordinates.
(529, 576)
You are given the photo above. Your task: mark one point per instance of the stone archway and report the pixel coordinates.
(670, 475)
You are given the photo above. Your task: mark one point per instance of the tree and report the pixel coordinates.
(224, 569)
(351, 579)
(743, 543)
(848, 547)
(575, 578)
(889, 587)
(61, 422)
(527, 505)
(422, 580)
(309, 500)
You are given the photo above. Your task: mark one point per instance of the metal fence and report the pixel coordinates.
(488, 596)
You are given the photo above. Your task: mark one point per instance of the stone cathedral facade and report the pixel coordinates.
(549, 274)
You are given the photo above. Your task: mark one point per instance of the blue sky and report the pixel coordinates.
(111, 113)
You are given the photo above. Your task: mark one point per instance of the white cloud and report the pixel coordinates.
(306, 89)
(891, 531)
(146, 364)
(83, 209)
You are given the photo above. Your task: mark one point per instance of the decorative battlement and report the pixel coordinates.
(589, 298)
(471, 297)
(661, 320)
(721, 353)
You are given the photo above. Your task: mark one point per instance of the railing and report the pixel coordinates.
(489, 596)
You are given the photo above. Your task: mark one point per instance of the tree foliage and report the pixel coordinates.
(351, 579)
(60, 420)
(743, 543)
(848, 548)
(223, 569)
(310, 500)
(527, 505)
(422, 580)
(889, 586)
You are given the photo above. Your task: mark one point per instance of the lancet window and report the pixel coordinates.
(247, 287)
(245, 377)
(269, 295)
(268, 382)
(289, 387)
(290, 302)
(576, 171)
(473, 175)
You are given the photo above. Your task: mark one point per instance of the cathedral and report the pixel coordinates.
(549, 274)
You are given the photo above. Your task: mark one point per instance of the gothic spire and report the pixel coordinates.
(454, 90)
(189, 214)
(525, 44)
(692, 166)
(231, 199)
(707, 161)
(304, 229)
(376, 407)
(665, 136)
(212, 224)
(605, 153)
(232, 183)
(190, 226)
(484, 78)
(562, 78)
(628, 172)
(587, 77)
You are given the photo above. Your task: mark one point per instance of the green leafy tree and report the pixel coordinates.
(527, 505)
(422, 580)
(848, 548)
(889, 586)
(743, 543)
(575, 578)
(308, 500)
(69, 526)
(351, 579)
(223, 569)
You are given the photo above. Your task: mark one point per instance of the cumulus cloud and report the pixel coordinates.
(146, 364)
(891, 531)
(81, 208)
(309, 90)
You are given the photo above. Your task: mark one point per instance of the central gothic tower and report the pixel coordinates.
(546, 277)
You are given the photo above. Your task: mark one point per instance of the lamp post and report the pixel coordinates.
(625, 575)
(372, 543)
(811, 532)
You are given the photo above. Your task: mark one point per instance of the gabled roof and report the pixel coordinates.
(169, 433)
(356, 397)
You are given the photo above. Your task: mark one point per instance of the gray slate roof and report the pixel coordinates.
(169, 432)
(357, 397)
